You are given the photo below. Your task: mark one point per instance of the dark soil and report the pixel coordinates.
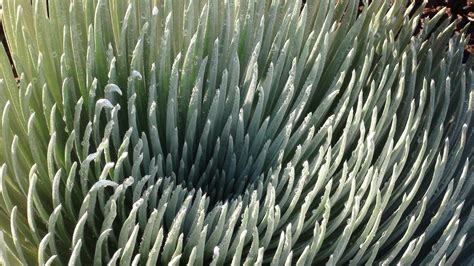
(460, 10)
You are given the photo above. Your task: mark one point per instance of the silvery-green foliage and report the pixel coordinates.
(201, 132)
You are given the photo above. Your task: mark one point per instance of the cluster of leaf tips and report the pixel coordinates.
(197, 132)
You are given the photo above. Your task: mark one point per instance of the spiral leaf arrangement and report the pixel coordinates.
(201, 132)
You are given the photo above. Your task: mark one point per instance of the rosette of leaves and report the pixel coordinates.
(235, 132)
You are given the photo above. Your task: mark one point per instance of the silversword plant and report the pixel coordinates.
(209, 132)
